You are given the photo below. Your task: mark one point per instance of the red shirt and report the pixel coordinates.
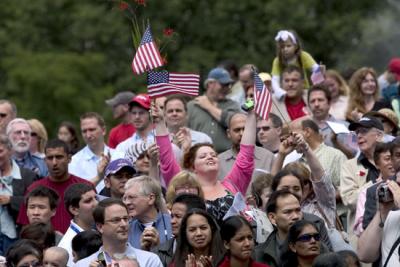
(297, 110)
(120, 133)
(61, 220)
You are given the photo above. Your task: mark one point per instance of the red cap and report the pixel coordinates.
(142, 100)
(394, 67)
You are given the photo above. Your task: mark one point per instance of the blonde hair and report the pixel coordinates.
(182, 178)
(356, 100)
(343, 87)
(38, 128)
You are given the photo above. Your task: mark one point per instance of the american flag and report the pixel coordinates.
(262, 97)
(147, 56)
(161, 83)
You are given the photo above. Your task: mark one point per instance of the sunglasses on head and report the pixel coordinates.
(307, 237)
(31, 264)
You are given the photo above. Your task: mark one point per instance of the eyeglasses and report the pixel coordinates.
(3, 115)
(264, 128)
(308, 237)
(31, 264)
(117, 220)
(362, 130)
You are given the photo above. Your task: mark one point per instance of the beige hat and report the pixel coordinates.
(264, 76)
(387, 114)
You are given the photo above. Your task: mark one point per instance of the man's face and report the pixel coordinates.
(236, 128)
(246, 79)
(92, 132)
(319, 105)
(115, 225)
(287, 212)
(87, 204)
(367, 138)
(120, 110)
(137, 203)
(292, 83)
(6, 116)
(20, 137)
(178, 211)
(57, 161)
(385, 165)
(217, 91)
(116, 182)
(38, 210)
(140, 118)
(267, 134)
(5, 155)
(396, 159)
(175, 114)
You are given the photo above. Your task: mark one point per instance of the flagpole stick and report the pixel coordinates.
(153, 103)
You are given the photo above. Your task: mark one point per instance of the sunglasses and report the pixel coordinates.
(308, 237)
(264, 128)
(31, 264)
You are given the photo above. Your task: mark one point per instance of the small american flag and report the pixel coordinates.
(262, 97)
(163, 83)
(147, 56)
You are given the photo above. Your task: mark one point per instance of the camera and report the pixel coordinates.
(384, 194)
(249, 105)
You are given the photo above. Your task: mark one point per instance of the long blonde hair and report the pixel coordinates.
(343, 87)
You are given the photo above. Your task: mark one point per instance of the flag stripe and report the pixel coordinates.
(147, 56)
(262, 98)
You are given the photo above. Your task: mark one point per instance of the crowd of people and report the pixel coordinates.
(205, 181)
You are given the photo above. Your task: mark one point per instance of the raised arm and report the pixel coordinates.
(168, 165)
(239, 177)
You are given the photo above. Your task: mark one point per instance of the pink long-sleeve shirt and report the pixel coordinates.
(237, 180)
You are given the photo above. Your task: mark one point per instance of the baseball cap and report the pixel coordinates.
(142, 100)
(124, 97)
(366, 122)
(394, 67)
(221, 75)
(116, 165)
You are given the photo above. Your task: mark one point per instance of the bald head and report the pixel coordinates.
(55, 256)
(236, 128)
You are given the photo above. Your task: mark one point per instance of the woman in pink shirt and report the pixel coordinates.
(202, 160)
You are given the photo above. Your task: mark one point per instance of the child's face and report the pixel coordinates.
(288, 48)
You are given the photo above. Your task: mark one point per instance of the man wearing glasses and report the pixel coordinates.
(210, 112)
(112, 221)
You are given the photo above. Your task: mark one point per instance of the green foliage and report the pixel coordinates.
(60, 58)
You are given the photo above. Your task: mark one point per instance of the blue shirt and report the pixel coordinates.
(162, 224)
(84, 164)
(33, 163)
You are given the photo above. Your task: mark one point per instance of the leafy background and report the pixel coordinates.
(60, 58)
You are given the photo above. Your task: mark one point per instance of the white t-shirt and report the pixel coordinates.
(391, 231)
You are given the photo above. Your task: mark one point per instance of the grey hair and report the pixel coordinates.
(61, 251)
(147, 186)
(15, 121)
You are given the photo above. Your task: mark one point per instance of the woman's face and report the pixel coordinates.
(64, 134)
(28, 261)
(306, 244)
(198, 232)
(241, 244)
(291, 183)
(142, 164)
(368, 85)
(206, 160)
(288, 49)
(333, 86)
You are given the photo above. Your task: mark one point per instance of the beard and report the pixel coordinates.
(20, 146)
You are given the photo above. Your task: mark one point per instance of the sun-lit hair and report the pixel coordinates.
(343, 87)
(356, 100)
(180, 179)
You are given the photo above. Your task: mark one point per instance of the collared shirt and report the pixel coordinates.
(135, 138)
(66, 241)
(7, 224)
(162, 224)
(201, 120)
(263, 160)
(33, 163)
(144, 258)
(84, 164)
